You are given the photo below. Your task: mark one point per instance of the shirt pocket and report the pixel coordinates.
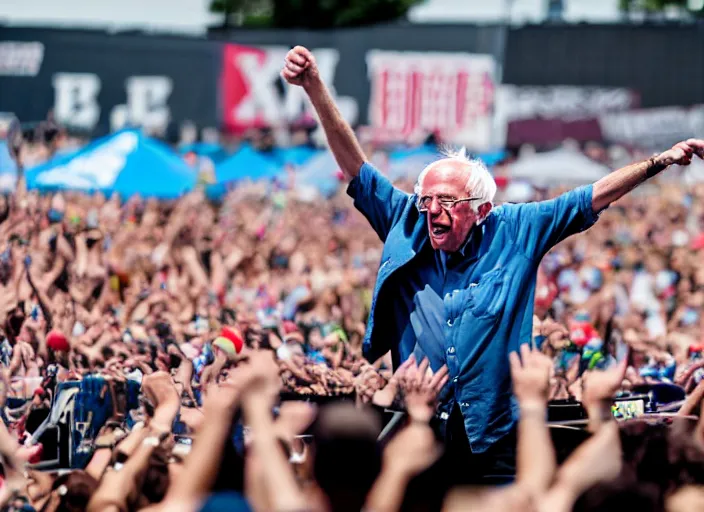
(485, 298)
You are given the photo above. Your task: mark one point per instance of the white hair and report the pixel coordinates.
(479, 184)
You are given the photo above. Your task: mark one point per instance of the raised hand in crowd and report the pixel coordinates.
(410, 451)
(385, 396)
(599, 459)
(600, 387)
(159, 389)
(690, 497)
(260, 386)
(530, 372)
(421, 387)
(414, 448)
(121, 484)
(203, 463)
(511, 497)
(535, 452)
(294, 418)
(367, 384)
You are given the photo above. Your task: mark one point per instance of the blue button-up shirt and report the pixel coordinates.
(487, 289)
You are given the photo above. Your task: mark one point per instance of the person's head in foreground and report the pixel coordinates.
(456, 193)
(345, 433)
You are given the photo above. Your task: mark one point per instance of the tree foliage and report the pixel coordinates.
(314, 14)
(650, 5)
(240, 12)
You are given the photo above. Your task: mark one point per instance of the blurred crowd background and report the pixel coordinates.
(179, 256)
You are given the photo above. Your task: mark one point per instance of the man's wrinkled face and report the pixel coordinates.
(448, 229)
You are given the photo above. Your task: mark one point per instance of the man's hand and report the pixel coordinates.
(615, 185)
(681, 153)
(531, 375)
(300, 67)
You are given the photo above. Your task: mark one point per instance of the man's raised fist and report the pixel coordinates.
(300, 67)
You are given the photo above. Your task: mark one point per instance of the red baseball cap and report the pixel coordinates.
(235, 336)
(56, 340)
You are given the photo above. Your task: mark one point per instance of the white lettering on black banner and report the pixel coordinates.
(654, 127)
(561, 102)
(18, 58)
(252, 95)
(146, 106)
(76, 101)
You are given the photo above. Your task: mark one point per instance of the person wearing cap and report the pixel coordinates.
(57, 341)
(225, 347)
(457, 276)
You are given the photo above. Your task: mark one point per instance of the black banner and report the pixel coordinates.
(97, 82)
(352, 49)
(402, 80)
(664, 63)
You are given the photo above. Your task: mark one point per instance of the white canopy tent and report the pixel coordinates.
(560, 167)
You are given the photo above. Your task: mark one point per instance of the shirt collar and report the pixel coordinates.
(464, 248)
(471, 246)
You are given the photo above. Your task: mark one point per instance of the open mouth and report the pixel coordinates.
(439, 230)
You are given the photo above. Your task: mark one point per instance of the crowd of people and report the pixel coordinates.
(242, 323)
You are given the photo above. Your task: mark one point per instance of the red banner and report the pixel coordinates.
(253, 94)
(237, 87)
(416, 94)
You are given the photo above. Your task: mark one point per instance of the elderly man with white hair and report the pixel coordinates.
(457, 276)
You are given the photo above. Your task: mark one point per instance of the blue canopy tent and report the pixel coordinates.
(213, 151)
(296, 155)
(126, 162)
(247, 164)
(408, 162)
(320, 173)
(494, 157)
(8, 169)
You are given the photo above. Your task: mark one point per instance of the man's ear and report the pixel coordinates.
(483, 210)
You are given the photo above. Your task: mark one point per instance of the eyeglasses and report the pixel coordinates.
(446, 203)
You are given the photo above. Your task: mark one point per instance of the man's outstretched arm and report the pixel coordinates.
(301, 69)
(617, 184)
